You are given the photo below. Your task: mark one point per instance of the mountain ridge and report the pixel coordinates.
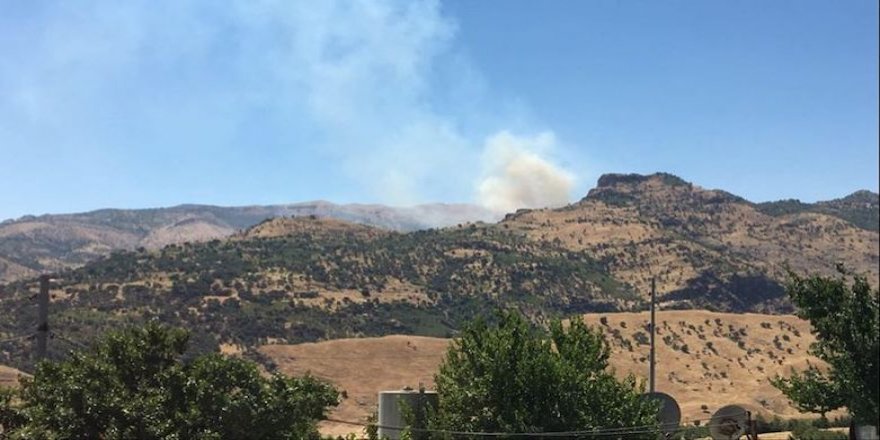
(859, 208)
(52, 242)
(698, 243)
(311, 278)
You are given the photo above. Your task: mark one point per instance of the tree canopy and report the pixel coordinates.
(134, 384)
(512, 377)
(845, 314)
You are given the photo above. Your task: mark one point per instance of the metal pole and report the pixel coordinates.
(753, 427)
(651, 378)
(43, 318)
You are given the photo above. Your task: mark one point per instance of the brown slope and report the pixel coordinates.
(315, 227)
(706, 247)
(9, 376)
(51, 243)
(362, 367)
(10, 271)
(185, 231)
(712, 359)
(746, 350)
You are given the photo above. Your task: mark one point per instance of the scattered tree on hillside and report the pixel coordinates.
(511, 377)
(134, 384)
(845, 316)
(812, 391)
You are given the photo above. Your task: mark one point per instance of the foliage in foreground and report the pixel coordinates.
(510, 377)
(846, 321)
(133, 384)
(808, 432)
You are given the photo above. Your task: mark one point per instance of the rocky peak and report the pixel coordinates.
(620, 189)
(625, 189)
(617, 180)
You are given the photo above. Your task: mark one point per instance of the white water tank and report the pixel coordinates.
(866, 432)
(391, 421)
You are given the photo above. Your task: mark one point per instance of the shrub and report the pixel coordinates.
(134, 384)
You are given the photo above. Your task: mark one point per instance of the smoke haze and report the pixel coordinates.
(517, 176)
(266, 101)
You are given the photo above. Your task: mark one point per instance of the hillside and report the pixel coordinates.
(707, 248)
(311, 278)
(9, 376)
(317, 228)
(31, 244)
(34, 244)
(859, 208)
(308, 279)
(704, 359)
(707, 359)
(362, 368)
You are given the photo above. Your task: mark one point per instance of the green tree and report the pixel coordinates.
(811, 391)
(134, 384)
(511, 377)
(845, 315)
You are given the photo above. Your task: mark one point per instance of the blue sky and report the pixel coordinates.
(515, 103)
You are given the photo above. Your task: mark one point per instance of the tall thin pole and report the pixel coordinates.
(651, 378)
(43, 318)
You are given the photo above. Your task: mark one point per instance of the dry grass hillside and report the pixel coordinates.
(306, 279)
(362, 368)
(9, 376)
(11, 270)
(34, 244)
(704, 359)
(707, 359)
(704, 246)
(313, 226)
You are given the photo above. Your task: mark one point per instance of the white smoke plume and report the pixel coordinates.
(517, 176)
(264, 101)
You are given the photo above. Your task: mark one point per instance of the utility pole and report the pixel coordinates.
(651, 381)
(43, 318)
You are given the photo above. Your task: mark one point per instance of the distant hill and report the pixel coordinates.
(49, 243)
(706, 248)
(861, 208)
(32, 244)
(312, 278)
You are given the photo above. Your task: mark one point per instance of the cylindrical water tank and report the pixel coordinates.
(391, 421)
(865, 432)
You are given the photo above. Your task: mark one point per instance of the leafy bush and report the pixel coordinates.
(845, 316)
(510, 377)
(810, 432)
(133, 384)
